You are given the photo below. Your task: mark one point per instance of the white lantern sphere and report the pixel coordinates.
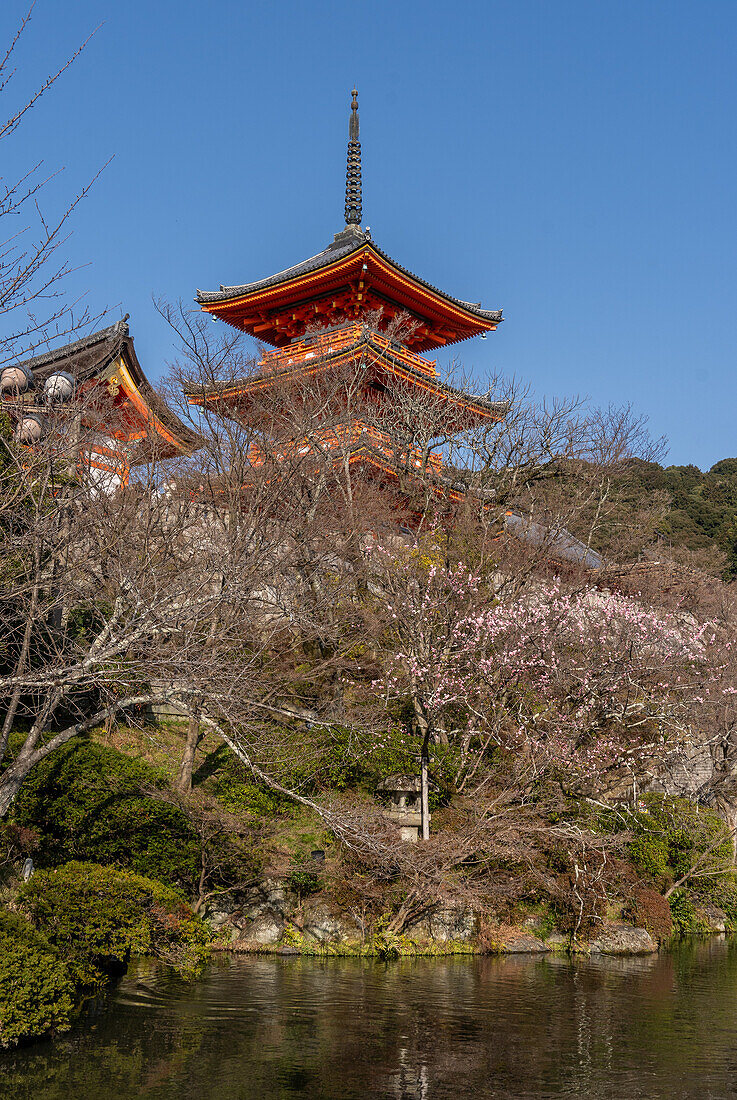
(29, 429)
(59, 387)
(15, 379)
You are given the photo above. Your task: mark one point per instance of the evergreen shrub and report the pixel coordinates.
(650, 855)
(36, 990)
(686, 920)
(671, 834)
(92, 803)
(97, 917)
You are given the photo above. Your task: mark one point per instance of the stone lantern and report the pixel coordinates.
(404, 807)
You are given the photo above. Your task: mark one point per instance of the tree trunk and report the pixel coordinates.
(183, 782)
(11, 782)
(425, 790)
(423, 728)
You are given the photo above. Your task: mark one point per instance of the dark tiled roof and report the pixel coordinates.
(336, 251)
(365, 340)
(88, 357)
(559, 542)
(351, 240)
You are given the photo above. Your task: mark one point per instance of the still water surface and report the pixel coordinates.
(267, 1028)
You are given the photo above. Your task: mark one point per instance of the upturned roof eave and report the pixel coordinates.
(242, 385)
(323, 261)
(109, 339)
(86, 363)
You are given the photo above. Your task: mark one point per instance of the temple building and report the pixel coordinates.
(122, 420)
(353, 304)
(350, 311)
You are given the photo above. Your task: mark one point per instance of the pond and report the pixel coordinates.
(257, 1028)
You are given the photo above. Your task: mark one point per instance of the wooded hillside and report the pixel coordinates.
(700, 513)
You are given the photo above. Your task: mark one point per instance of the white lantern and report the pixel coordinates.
(29, 428)
(15, 379)
(59, 387)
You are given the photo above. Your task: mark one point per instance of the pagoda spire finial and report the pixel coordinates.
(353, 168)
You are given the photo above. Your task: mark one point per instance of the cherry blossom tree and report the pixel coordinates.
(575, 683)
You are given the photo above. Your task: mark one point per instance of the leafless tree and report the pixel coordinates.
(34, 308)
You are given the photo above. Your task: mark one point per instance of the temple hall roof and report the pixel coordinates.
(97, 358)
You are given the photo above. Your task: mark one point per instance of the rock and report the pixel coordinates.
(524, 944)
(623, 939)
(216, 919)
(269, 896)
(274, 892)
(264, 931)
(452, 923)
(557, 942)
(321, 924)
(715, 917)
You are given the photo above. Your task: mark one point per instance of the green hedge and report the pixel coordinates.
(36, 990)
(97, 917)
(92, 803)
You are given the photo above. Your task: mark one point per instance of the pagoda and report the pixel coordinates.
(352, 304)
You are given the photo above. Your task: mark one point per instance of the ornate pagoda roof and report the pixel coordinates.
(351, 277)
(390, 363)
(348, 279)
(109, 357)
(363, 444)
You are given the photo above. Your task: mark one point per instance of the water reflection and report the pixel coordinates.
(663, 1026)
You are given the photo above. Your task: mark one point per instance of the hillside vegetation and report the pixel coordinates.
(699, 513)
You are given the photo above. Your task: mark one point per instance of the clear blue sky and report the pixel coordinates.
(570, 161)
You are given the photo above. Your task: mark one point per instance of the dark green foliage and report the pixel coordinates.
(86, 621)
(686, 920)
(304, 878)
(650, 855)
(93, 803)
(319, 759)
(36, 991)
(703, 506)
(97, 917)
(235, 789)
(672, 834)
(345, 758)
